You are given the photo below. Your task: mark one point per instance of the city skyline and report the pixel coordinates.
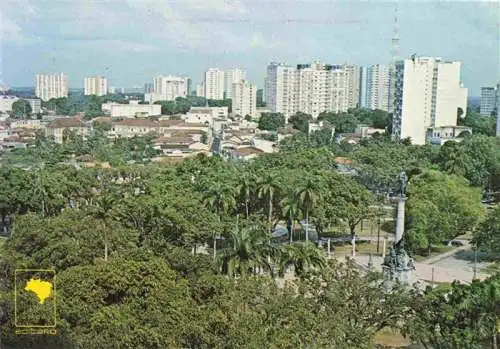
(190, 37)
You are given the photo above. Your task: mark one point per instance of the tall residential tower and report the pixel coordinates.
(312, 88)
(232, 76)
(95, 85)
(488, 101)
(428, 94)
(377, 87)
(51, 86)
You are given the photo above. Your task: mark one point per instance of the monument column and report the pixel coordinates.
(400, 220)
(397, 265)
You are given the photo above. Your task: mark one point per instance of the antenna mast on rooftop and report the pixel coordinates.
(394, 58)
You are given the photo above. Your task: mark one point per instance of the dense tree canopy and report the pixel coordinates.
(480, 124)
(271, 121)
(300, 121)
(20, 109)
(133, 244)
(440, 207)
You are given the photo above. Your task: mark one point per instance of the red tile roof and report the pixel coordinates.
(245, 151)
(343, 161)
(66, 123)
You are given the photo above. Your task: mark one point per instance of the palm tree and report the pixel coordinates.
(245, 188)
(40, 191)
(220, 198)
(102, 212)
(290, 206)
(302, 256)
(308, 196)
(251, 251)
(268, 186)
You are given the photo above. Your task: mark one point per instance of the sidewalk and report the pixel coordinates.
(426, 271)
(439, 257)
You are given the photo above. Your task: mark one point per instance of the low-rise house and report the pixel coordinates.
(245, 153)
(364, 131)
(57, 127)
(264, 145)
(350, 138)
(214, 112)
(14, 141)
(131, 110)
(141, 127)
(6, 103)
(440, 135)
(28, 124)
(286, 131)
(345, 165)
(318, 126)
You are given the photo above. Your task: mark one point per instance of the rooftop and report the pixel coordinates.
(245, 151)
(66, 122)
(148, 123)
(343, 161)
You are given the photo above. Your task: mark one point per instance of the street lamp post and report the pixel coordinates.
(475, 263)
(378, 234)
(215, 246)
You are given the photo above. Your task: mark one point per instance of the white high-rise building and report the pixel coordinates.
(200, 90)
(352, 84)
(377, 87)
(312, 88)
(280, 88)
(488, 101)
(428, 94)
(36, 105)
(363, 81)
(233, 76)
(51, 86)
(214, 84)
(244, 98)
(498, 109)
(167, 88)
(96, 85)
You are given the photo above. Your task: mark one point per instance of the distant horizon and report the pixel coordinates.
(14, 88)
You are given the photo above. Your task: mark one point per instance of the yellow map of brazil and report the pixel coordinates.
(42, 289)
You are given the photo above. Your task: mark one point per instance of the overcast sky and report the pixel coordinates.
(131, 41)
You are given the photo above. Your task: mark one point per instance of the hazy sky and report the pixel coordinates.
(130, 41)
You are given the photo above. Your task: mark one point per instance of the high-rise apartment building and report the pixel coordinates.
(232, 76)
(363, 71)
(244, 98)
(498, 109)
(167, 88)
(95, 85)
(352, 76)
(280, 88)
(427, 94)
(36, 105)
(312, 88)
(488, 101)
(377, 87)
(200, 90)
(51, 86)
(213, 84)
(149, 87)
